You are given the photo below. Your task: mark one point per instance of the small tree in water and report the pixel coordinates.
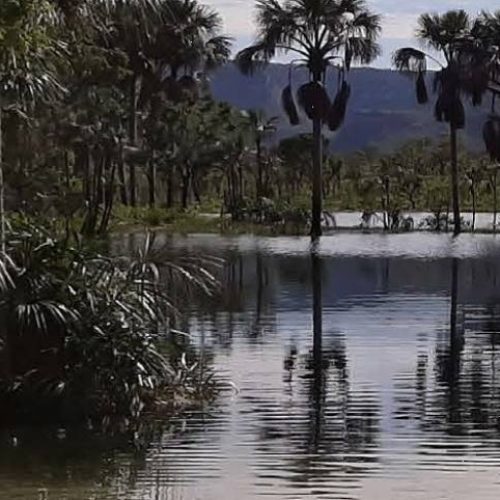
(322, 34)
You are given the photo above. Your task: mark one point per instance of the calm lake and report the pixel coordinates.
(367, 369)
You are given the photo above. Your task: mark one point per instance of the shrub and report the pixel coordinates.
(86, 336)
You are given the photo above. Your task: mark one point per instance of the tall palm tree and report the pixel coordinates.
(487, 30)
(187, 41)
(133, 22)
(452, 36)
(322, 34)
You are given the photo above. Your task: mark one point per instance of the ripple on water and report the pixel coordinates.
(399, 397)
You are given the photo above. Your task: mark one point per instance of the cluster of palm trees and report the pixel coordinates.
(82, 81)
(102, 97)
(332, 34)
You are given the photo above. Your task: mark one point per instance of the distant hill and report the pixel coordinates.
(383, 111)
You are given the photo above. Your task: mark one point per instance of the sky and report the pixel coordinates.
(399, 19)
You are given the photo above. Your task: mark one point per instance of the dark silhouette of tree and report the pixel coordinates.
(322, 34)
(453, 35)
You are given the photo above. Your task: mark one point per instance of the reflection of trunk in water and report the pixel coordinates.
(453, 297)
(452, 369)
(259, 273)
(260, 285)
(240, 281)
(387, 274)
(317, 345)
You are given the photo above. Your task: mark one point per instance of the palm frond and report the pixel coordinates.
(254, 57)
(411, 60)
(361, 49)
(441, 32)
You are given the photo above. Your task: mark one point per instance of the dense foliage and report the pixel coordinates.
(88, 336)
(105, 109)
(107, 104)
(90, 95)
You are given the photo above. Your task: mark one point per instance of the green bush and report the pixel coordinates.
(86, 336)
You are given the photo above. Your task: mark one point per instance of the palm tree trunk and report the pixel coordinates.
(195, 187)
(108, 196)
(2, 190)
(241, 184)
(493, 181)
(473, 206)
(455, 180)
(121, 176)
(317, 190)
(133, 138)
(152, 183)
(170, 188)
(186, 186)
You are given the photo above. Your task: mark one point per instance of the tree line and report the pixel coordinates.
(331, 35)
(108, 102)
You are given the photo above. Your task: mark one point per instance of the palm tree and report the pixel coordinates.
(185, 42)
(322, 34)
(487, 27)
(189, 38)
(133, 23)
(452, 35)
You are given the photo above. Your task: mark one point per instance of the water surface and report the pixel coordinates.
(365, 370)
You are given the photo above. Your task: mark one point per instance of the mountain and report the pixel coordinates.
(382, 113)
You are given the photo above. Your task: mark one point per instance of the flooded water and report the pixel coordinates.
(482, 221)
(363, 369)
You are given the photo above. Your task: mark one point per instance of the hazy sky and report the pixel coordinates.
(399, 18)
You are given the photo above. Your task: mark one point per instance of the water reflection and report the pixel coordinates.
(449, 359)
(362, 372)
(322, 436)
(319, 389)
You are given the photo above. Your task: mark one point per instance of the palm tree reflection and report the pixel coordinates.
(449, 359)
(318, 374)
(330, 431)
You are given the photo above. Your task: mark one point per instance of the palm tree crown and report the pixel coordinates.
(318, 31)
(455, 36)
